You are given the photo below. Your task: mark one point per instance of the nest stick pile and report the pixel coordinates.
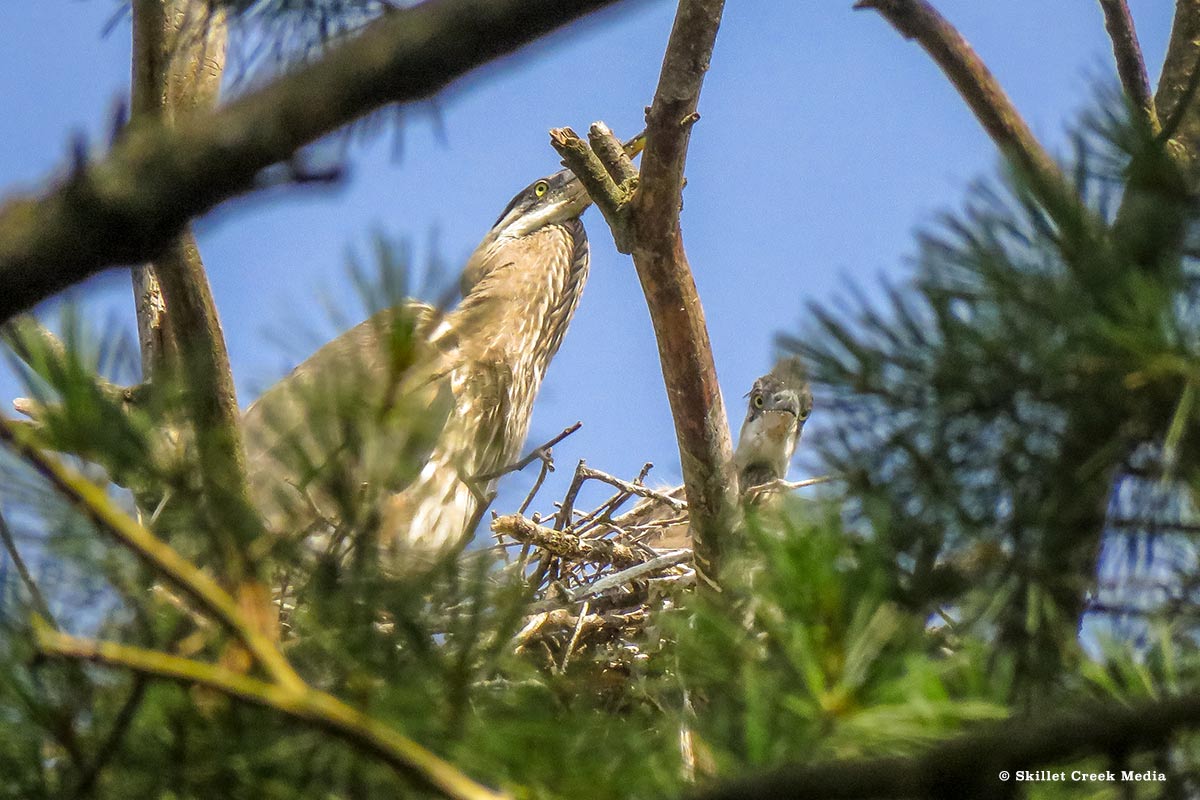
(598, 574)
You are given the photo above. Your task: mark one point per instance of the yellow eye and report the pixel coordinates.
(540, 188)
(758, 401)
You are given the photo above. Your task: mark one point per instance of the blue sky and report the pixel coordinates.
(825, 140)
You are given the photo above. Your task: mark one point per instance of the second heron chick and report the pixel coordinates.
(780, 403)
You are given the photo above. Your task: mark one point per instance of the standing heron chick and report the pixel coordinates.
(483, 361)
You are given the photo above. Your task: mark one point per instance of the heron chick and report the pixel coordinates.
(779, 405)
(485, 359)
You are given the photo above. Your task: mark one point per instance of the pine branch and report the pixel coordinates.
(91, 501)
(644, 216)
(969, 765)
(1131, 65)
(130, 205)
(300, 702)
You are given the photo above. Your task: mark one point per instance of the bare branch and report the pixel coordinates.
(542, 452)
(771, 487)
(1175, 97)
(1131, 66)
(968, 765)
(633, 488)
(920, 21)
(178, 58)
(648, 227)
(128, 207)
(631, 574)
(565, 545)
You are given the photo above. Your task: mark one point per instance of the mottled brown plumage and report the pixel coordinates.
(484, 359)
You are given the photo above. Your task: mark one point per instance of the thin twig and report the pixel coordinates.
(568, 504)
(631, 574)
(35, 594)
(632, 488)
(574, 640)
(780, 485)
(543, 452)
(112, 742)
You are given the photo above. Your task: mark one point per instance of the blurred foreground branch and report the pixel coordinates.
(127, 207)
(969, 765)
(285, 692)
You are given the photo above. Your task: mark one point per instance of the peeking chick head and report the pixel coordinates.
(779, 405)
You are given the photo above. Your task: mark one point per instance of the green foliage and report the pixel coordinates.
(821, 662)
(983, 420)
(1030, 395)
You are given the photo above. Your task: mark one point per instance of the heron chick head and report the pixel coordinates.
(553, 199)
(779, 405)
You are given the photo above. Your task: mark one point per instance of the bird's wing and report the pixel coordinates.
(357, 412)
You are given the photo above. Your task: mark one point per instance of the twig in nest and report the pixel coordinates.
(632, 574)
(566, 659)
(542, 452)
(780, 485)
(562, 617)
(565, 545)
(632, 488)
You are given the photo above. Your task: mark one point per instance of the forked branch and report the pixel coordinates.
(128, 207)
(644, 215)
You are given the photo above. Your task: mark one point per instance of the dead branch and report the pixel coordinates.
(126, 208)
(178, 59)
(628, 488)
(919, 20)
(564, 545)
(631, 574)
(1174, 99)
(643, 213)
(562, 619)
(1131, 65)
(543, 451)
(772, 487)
